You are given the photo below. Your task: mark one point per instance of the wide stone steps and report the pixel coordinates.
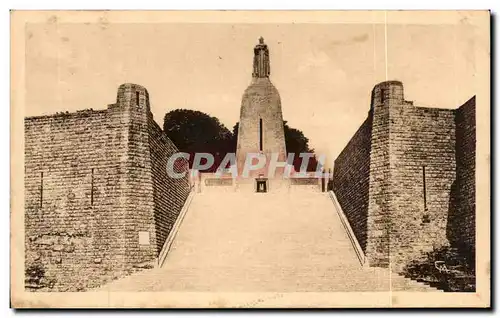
(254, 242)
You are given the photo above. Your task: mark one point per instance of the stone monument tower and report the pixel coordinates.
(261, 124)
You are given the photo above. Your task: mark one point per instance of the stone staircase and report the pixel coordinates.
(263, 242)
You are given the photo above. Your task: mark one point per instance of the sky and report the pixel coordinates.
(324, 72)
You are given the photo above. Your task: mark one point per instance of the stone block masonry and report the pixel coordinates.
(169, 194)
(422, 170)
(351, 180)
(462, 218)
(98, 201)
(396, 178)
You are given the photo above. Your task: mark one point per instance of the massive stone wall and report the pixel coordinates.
(422, 170)
(72, 178)
(379, 210)
(462, 218)
(351, 180)
(169, 194)
(96, 202)
(414, 156)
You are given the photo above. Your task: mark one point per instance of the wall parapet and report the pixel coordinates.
(101, 172)
(408, 163)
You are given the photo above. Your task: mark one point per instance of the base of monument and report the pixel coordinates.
(262, 185)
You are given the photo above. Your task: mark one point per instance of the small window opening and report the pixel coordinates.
(382, 94)
(426, 219)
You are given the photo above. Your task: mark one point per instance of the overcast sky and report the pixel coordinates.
(324, 72)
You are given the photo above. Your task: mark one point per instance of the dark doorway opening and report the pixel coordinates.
(261, 185)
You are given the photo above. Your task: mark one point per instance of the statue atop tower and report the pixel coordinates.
(261, 64)
(261, 130)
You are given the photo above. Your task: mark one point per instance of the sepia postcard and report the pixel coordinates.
(250, 159)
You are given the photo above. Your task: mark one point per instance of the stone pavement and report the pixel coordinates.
(255, 242)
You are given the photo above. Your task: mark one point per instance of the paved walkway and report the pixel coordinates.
(233, 242)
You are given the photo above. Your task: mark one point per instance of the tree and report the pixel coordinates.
(194, 131)
(296, 142)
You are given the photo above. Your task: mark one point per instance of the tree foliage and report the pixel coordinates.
(194, 131)
(296, 142)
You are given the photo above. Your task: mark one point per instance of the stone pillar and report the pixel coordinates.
(137, 184)
(261, 128)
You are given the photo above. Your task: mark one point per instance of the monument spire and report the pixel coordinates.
(261, 64)
(261, 131)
